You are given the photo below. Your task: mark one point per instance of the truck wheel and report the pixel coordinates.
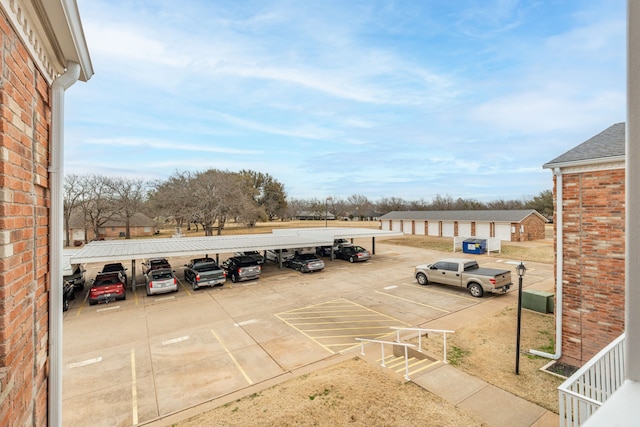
(422, 279)
(475, 290)
(194, 285)
(234, 278)
(65, 304)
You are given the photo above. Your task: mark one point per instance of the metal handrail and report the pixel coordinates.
(382, 343)
(420, 331)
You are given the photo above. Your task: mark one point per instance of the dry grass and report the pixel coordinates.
(353, 393)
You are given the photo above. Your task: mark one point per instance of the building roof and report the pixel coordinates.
(608, 145)
(509, 216)
(118, 250)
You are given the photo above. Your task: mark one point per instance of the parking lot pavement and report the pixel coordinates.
(138, 360)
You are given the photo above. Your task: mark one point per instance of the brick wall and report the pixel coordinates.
(24, 200)
(594, 260)
(533, 228)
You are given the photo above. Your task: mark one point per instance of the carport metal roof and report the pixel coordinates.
(118, 250)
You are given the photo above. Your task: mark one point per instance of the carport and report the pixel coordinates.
(135, 249)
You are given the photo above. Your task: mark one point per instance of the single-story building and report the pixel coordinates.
(308, 215)
(589, 228)
(509, 225)
(139, 225)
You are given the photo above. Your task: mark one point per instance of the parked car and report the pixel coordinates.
(116, 266)
(68, 294)
(276, 254)
(326, 250)
(352, 253)
(465, 273)
(255, 254)
(74, 274)
(160, 281)
(306, 263)
(204, 272)
(153, 263)
(107, 287)
(240, 268)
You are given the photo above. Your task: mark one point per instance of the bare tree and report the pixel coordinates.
(359, 205)
(174, 198)
(99, 206)
(74, 194)
(129, 196)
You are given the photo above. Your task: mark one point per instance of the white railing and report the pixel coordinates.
(586, 390)
(420, 332)
(382, 343)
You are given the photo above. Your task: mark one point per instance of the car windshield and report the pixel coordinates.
(161, 274)
(209, 266)
(306, 256)
(108, 280)
(112, 267)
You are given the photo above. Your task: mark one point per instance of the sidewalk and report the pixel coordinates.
(490, 404)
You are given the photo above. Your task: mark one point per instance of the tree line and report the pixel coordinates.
(211, 198)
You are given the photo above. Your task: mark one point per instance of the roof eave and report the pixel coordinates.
(585, 162)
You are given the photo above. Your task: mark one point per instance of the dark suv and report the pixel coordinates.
(118, 267)
(154, 263)
(241, 268)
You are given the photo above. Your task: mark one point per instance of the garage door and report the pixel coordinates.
(464, 229)
(434, 228)
(396, 226)
(420, 228)
(447, 229)
(503, 232)
(483, 229)
(384, 225)
(407, 226)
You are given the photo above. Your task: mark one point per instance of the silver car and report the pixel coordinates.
(161, 281)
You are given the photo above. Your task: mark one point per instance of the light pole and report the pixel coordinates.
(521, 269)
(326, 210)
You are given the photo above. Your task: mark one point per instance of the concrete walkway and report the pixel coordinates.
(476, 396)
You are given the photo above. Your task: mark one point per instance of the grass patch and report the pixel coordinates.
(455, 355)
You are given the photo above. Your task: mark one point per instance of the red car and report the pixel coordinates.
(107, 287)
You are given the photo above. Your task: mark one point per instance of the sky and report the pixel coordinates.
(410, 99)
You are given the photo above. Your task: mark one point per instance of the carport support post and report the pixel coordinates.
(373, 245)
(133, 275)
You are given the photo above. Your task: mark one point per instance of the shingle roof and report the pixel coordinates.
(471, 215)
(607, 144)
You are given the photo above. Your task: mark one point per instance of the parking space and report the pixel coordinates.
(135, 360)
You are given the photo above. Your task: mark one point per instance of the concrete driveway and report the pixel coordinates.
(138, 360)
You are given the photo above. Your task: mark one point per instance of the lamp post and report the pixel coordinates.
(521, 269)
(326, 210)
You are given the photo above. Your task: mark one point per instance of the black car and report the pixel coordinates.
(240, 268)
(326, 250)
(254, 254)
(116, 266)
(76, 277)
(154, 263)
(306, 263)
(68, 294)
(352, 253)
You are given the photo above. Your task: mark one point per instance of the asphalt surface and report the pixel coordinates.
(158, 359)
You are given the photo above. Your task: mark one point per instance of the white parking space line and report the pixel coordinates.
(164, 299)
(134, 388)
(434, 290)
(115, 307)
(246, 377)
(246, 322)
(175, 340)
(413, 302)
(85, 362)
(390, 287)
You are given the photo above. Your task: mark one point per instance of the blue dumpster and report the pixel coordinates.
(474, 246)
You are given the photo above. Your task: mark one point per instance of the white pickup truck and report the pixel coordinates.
(464, 273)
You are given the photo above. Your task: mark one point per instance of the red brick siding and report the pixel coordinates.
(25, 117)
(594, 261)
